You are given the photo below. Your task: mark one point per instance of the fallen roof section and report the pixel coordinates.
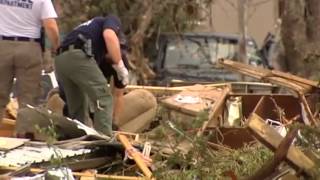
(299, 85)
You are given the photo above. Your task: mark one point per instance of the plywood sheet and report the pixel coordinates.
(194, 101)
(7, 143)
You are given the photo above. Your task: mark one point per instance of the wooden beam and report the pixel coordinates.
(215, 111)
(159, 90)
(295, 78)
(156, 90)
(277, 77)
(135, 155)
(280, 154)
(8, 121)
(11, 108)
(271, 138)
(295, 83)
(308, 111)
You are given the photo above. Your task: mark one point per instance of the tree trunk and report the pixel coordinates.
(300, 36)
(243, 23)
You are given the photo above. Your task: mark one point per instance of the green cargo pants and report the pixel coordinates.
(83, 82)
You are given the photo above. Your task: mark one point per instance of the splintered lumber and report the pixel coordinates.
(194, 101)
(200, 99)
(296, 83)
(272, 139)
(215, 111)
(11, 108)
(78, 174)
(135, 155)
(280, 78)
(11, 143)
(159, 90)
(307, 109)
(278, 157)
(90, 175)
(295, 78)
(9, 121)
(218, 106)
(156, 90)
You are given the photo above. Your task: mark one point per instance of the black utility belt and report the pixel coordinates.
(17, 38)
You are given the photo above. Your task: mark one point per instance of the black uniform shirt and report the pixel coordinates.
(93, 29)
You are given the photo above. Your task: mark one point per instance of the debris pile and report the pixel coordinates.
(241, 130)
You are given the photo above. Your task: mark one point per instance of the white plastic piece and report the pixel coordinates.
(278, 126)
(187, 99)
(146, 149)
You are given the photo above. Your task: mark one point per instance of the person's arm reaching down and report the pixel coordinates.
(113, 45)
(52, 31)
(117, 94)
(113, 49)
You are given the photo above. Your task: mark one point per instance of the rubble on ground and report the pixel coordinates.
(240, 130)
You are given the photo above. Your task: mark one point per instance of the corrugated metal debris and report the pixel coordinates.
(29, 155)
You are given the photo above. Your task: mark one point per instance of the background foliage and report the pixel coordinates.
(142, 20)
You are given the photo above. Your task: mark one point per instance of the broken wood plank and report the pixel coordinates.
(9, 121)
(159, 90)
(308, 111)
(135, 155)
(11, 108)
(195, 101)
(280, 78)
(156, 90)
(11, 143)
(295, 78)
(91, 173)
(278, 157)
(296, 83)
(215, 111)
(271, 138)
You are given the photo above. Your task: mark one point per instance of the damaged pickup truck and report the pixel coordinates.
(190, 58)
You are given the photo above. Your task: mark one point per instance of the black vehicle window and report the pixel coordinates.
(187, 52)
(198, 51)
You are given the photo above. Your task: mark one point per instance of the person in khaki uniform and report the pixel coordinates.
(79, 65)
(20, 50)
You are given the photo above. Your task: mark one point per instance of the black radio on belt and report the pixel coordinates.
(87, 45)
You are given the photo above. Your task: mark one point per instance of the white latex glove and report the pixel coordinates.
(122, 72)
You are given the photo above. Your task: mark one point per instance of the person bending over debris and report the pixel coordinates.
(80, 64)
(20, 49)
(117, 86)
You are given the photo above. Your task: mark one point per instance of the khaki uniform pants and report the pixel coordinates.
(83, 82)
(21, 60)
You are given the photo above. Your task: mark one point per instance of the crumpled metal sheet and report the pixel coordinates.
(29, 155)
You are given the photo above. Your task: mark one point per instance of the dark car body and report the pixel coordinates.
(193, 57)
